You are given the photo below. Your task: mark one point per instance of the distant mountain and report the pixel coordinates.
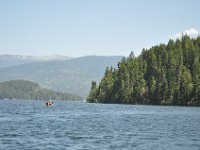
(22, 89)
(71, 75)
(12, 60)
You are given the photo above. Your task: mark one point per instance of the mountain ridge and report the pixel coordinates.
(72, 75)
(7, 60)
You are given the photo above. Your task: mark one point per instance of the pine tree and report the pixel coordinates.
(164, 74)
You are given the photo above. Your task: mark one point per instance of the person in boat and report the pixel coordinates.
(49, 103)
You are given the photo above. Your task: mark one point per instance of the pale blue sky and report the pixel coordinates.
(92, 27)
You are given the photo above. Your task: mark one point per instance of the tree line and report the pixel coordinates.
(166, 74)
(22, 89)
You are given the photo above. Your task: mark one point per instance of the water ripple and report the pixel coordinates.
(67, 125)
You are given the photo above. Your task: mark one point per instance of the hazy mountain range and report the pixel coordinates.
(60, 73)
(11, 60)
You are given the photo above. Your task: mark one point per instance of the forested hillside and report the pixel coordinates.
(167, 74)
(71, 75)
(21, 89)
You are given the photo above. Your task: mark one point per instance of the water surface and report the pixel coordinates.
(74, 125)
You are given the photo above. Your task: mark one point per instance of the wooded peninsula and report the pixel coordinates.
(28, 90)
(166, 74)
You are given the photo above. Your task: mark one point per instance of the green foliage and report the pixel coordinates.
(163, 75)
(22, 89)
(93, 91)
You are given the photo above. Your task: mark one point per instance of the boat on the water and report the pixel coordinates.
(49, 103)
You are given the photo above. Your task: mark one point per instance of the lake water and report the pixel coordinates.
(26, 125)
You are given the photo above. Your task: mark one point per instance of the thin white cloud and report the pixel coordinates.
(193, 33)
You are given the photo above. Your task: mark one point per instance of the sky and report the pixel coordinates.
(93, 27)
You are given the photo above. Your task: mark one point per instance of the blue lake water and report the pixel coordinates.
(75, 125)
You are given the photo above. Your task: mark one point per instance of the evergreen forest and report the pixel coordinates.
(27, 90)
(166, 74)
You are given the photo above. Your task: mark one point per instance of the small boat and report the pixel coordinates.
(49, 103)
